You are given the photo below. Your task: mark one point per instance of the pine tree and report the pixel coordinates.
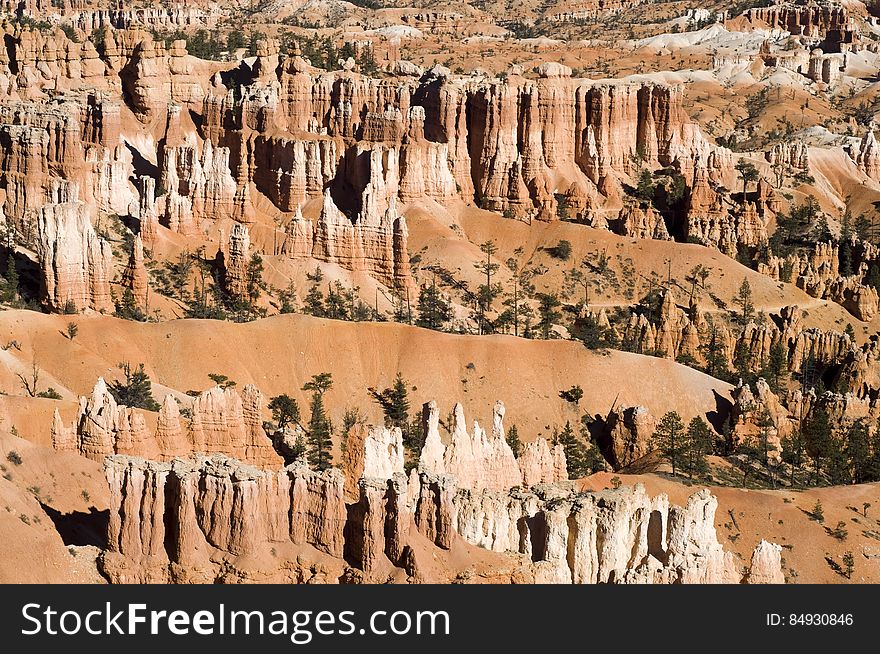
(338, 303)
(742, 362)
(487, 292)
(752, 453)
(285, 410)
(836, 464)
(845, 267)
(396, 407)
(748, 173)
(398, 410)
(10, 293)
(298, 451)
(745, 300)
(873, 277)
(590, 332)
(645, 186)
(578, 458)
(727, 444)
(793, 453)
(548, 306)
(513, 440)
(136, 391)
(313, 303)
(288, 299)
(777, 366)
(698, 444)
(858, 452)
(433, 311)
(254, 277)
(595, 461)
(765, 424)
(863, 227)
(713, 354)
(817, 439)
(873, 468)
(522, 287)
(669, 439)
(319, 432)
(849, 564)
(127, 308)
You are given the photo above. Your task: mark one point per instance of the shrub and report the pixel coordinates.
(561, 250)
(573, 394)
(817, 513)
(136, 390)
(849, 564)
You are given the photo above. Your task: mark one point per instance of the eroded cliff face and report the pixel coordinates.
(372, 453)
(207, 518)
(713, 220)
(135, 277)
(76, 265)
(818, 274)
(292, 138)
(167, 520)
(222, 420)
(213, 518)
(627, 435)
(483, 460)
(507, 145)
(802, 19)
(677, 331)
(761, 417)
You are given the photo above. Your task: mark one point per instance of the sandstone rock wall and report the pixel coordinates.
(802, 19)
(223, 421)
(76, 265)
(165, 516)
(504, 144)
(818, 274)
(170, 521)
(714, 221)
(476, 459)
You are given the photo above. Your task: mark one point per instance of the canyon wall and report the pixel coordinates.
(221, 420)
(337, 155)
(210, 518)
(172, 522)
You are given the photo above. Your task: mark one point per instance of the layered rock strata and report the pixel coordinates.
(222, 421)
(175, 521)
(76, 265)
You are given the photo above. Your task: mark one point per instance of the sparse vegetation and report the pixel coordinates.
(573, 394)
(135, 390)
(561, 251)
(320, 429)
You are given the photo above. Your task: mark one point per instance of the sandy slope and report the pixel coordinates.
(641, 260)
(40, 500)
(280, 354)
